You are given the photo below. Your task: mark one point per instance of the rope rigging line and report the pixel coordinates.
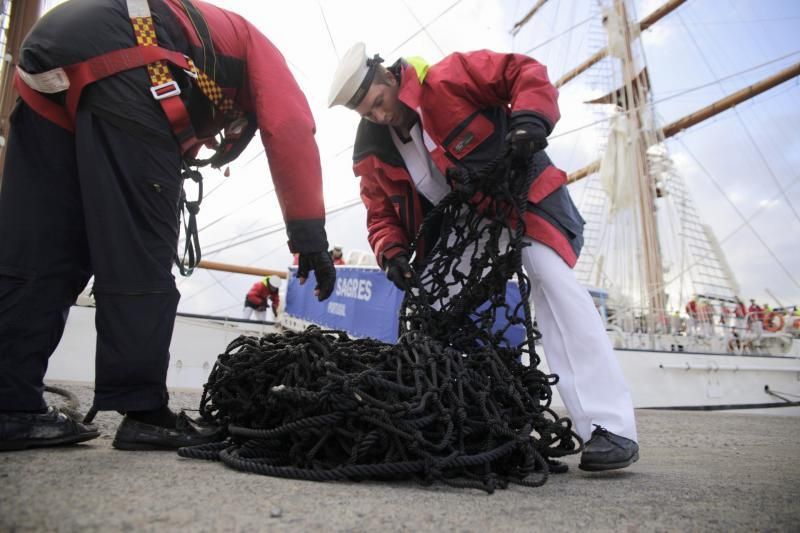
(328, 29)
(745, 128)
(653, 103)
(259, 233)
(450, 402)
(556, 36)
(745, 220)
(425, 27)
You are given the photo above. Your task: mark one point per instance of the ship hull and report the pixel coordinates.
(657, 379)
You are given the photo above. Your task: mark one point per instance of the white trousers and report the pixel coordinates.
(577, 347)
(248, 312)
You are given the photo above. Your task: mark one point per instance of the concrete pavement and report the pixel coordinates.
(697, 472)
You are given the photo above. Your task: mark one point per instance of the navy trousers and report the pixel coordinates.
(101, 202)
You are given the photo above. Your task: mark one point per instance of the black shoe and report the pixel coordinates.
(135, 435)
(555, 467)
(607, 451)
(53, 428)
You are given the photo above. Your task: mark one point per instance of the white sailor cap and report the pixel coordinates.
(353, 77)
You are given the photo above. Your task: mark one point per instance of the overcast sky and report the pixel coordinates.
(741, 167)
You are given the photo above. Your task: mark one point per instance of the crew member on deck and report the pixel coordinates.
(740, 312)
(337, 255)
(692, 312)
(420, 122)
(92, 184)
(262, 295)
(755, 317)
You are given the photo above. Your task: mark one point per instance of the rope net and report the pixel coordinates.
(450, 402)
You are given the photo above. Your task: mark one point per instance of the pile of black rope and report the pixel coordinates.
(450, 402)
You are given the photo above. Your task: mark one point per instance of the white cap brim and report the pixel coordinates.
(349, 75)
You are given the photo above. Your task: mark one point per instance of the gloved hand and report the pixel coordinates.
(462, 182)
(275, 310)
(399, 271)
(322, 265)
(525, 138)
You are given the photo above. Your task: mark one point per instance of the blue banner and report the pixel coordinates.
(364, 303)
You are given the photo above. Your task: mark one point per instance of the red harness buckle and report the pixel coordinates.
(165, 90)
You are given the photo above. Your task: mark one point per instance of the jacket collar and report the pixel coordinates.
(410, 84)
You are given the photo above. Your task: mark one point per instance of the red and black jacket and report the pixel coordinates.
(261, 294)
(245, 64)
(464, 103)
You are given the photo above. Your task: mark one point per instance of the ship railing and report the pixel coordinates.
(641, 328)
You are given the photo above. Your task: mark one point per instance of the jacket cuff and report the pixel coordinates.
(392, 251)
(306, 236)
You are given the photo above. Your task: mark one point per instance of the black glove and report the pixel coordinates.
(526, 137)
(462, 181)
(399, 271)
(322, 265)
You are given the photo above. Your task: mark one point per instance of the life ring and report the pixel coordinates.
(771, 325)
(796, 324)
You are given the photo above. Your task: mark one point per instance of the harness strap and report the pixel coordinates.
(164, 87)
(145, 33)
(74, 78)
(214, 93)
(49, 109)
(204, 82)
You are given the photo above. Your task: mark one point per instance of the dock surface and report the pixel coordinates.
(699, 471)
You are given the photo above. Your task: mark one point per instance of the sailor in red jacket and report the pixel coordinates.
(118, 96)
(420, 121)
(263, 293)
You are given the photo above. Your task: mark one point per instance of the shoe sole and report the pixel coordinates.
(66, 440)
(600, 467)
(141, 446)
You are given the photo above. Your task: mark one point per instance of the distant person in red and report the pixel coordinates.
(336, 255)
(755, 316)
(262, 294)
(691, 310)
(740, 312)
(705, 315)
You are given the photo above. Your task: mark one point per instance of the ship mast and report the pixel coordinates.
(711, 110)
(635, 95)
(642, 172)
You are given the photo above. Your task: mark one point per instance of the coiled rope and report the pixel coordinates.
(450, 402)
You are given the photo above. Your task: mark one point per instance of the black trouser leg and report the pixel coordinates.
(44, 257)
(131, 189)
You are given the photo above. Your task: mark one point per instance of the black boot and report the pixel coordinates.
(607, 451)
(20, 430)
(139, 431)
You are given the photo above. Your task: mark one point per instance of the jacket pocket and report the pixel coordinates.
(469, 136)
